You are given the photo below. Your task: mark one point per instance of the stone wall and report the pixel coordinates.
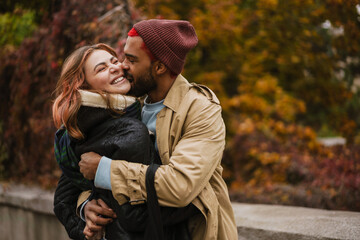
(26, 214)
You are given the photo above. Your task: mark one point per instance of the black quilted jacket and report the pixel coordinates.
(124, 138)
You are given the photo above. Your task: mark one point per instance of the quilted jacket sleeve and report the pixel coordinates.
(66, 195)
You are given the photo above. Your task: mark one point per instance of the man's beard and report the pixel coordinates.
(143, 84)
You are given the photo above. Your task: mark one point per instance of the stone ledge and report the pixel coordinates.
(28, 198)
(26, 213)
(254, 221)
(258, 221)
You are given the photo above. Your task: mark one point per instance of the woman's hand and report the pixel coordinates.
(88, 164)
(89, 235)
(97, 216)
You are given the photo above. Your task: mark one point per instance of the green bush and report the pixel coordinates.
(16, 26)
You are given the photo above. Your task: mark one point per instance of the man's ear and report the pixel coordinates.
(159, 68)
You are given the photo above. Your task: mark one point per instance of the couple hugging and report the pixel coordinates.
(136, 169)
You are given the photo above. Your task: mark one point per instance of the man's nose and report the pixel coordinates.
(124, 65)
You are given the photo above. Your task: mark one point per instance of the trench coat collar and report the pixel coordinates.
(176, 93)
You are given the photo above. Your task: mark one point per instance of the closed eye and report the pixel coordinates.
(115, 61)
(99, 66)
(130, 58)
(101, 69)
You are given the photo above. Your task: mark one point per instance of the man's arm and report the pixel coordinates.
(194, 158)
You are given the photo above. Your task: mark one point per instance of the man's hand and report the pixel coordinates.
(97, 216)
(88, 164)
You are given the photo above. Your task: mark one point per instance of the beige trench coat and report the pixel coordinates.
(191, 138)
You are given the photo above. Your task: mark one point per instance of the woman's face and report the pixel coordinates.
(103, 72)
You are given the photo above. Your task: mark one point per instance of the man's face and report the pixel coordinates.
(137, 67)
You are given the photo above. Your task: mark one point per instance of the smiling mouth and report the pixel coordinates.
(117, 80)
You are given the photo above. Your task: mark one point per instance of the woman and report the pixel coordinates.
(93, 114)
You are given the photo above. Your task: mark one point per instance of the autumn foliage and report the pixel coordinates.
(29, 75)
(284, 71)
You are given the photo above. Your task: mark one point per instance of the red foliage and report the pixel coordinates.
(29, 75)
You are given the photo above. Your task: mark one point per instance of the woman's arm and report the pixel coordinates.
(66, 195)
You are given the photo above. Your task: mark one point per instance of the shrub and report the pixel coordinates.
(29, 74)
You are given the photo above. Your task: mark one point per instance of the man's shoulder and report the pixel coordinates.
(203, 92)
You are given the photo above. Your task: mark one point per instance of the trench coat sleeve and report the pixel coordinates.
(81, 199)
(193, 160)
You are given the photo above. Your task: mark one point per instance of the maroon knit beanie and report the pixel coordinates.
(168, 40)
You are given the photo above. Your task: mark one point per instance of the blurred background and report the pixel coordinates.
(287, 73)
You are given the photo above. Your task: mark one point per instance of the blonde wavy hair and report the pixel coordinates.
(72, 78)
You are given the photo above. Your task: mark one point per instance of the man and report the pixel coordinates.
(189, 131)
